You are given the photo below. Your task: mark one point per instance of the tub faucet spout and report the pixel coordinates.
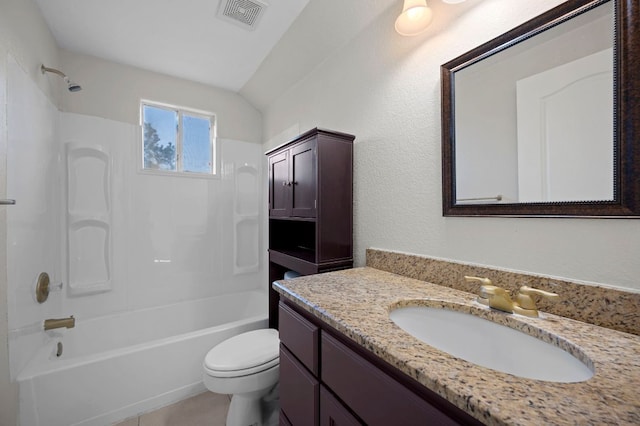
(50, 324)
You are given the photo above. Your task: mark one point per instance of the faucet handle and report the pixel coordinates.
(484, 281)
(493, 290)
(497, 298)
(483, 297)
(492, 295)
(524, 296)
(525, 302)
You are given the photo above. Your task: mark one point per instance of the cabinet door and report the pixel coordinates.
(299, 391)
(333, 413)
(279, 185)
(303, 179)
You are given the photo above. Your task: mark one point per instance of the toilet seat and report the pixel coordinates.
(245, 354)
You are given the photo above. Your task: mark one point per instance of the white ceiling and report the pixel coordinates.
(180, 38)
(186, 39)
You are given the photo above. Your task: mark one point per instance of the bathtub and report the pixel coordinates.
(119, 366)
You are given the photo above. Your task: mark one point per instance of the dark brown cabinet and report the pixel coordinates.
(292, 187)
(302, 390)
(327, 380)
(333, 413)
(310, 207)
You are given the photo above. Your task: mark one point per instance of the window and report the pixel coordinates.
(178, 140)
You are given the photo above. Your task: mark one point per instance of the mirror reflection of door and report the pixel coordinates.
(526, 90)
(565, 128)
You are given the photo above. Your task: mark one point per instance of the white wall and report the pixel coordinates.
(385, 89)
(172, 236)
(33, 231)
(8, 391)
(25, 36)
(188, 221)
(114, 91)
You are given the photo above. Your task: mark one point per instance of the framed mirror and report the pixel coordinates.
(544, 120)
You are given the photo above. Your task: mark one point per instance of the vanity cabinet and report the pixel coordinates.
(328, 380)
(333, 413)
(310, 207)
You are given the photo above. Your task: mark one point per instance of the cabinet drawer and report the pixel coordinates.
(333, 413)
(299, 391)
(300, 336)
(376, 397)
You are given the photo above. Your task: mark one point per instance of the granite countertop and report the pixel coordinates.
(357, 302)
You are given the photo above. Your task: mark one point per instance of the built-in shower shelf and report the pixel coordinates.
(88, 219)
(91, 217)
(246, 219)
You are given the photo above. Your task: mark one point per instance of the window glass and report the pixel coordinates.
(160, 138)
(178, 140)
(196, 145)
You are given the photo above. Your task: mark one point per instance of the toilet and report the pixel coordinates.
(246, 366)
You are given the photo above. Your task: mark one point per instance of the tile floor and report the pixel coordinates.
(205, 409)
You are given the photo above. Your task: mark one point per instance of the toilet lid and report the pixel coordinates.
(246, 353)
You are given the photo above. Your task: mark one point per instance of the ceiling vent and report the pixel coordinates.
(245, 13)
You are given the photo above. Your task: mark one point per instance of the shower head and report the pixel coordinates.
(73, 87)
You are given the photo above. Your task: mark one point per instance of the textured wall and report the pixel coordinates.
(385, 89)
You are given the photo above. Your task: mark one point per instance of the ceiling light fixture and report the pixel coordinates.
(414, 19)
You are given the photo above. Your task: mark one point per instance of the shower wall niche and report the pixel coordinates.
(246, 216)
(88, 219)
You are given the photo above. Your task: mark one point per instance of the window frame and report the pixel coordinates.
(181, 111)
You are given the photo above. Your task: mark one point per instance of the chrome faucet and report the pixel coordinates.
(498, 298)
(50, 324)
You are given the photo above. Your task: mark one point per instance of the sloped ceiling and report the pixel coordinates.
(186, 39)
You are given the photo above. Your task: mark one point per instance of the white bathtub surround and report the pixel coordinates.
(169, 229)
(33, 231)
(122, 365)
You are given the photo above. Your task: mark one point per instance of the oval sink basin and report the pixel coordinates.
(490, 345)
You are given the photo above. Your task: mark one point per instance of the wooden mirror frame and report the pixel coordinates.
(626, 199)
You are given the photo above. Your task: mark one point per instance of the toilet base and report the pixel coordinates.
(246, 409)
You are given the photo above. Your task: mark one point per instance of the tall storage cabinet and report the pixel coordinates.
(310, 207)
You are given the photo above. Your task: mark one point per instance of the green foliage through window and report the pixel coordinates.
(157, 156)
